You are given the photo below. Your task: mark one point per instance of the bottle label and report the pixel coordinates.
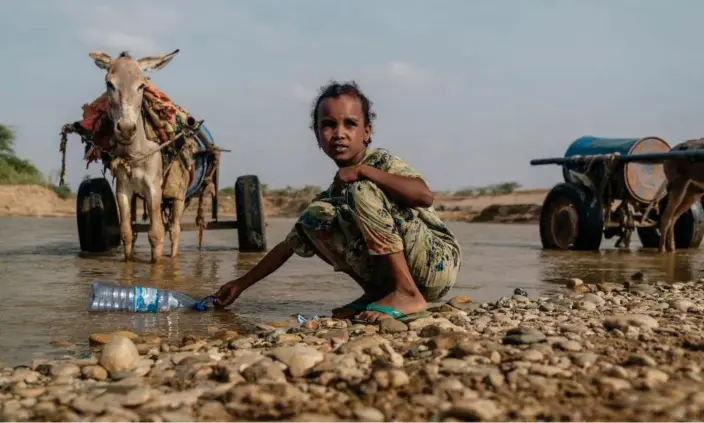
(146, 300)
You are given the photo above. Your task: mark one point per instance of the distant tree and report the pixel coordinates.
(7, 140)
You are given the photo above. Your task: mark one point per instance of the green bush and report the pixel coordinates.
(498, 189)
(17, 171)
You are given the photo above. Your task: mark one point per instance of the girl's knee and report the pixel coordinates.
(318, 214)
(363, 193)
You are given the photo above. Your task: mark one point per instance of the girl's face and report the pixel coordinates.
(342, 131)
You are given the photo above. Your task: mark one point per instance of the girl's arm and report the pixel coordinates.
(413, 192)
(273, 260)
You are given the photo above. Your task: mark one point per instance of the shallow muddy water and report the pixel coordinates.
(44, 283)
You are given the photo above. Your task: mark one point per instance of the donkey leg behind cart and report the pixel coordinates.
(684, 185)
(140, 123)
(608, 186)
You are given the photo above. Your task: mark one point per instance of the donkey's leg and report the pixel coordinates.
(691, 196)
(176, 213)
(156, 222)
(124, 195)
(675, 194)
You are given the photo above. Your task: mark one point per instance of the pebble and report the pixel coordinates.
(30, 392)
(654, 378)
(574, 283)
(587, 306)
(390, 326)
(622, 322)
(104, 338)
(461, 302)
(137, 396)
(682, 305)
(368, 414)
(532, 355)
(640, 360)
(614, 384)
(523, 335)
(119, 355)
(65, 370)
(593, 298)
(299, 359)
(569, 345)
(479, 410)
(95, 372)
(585, 359)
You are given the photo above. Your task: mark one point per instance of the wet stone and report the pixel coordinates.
(641, 360)
(65, 370)
(392, 326)
(522, 335)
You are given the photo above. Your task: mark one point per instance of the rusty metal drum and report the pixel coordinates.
(640, 181)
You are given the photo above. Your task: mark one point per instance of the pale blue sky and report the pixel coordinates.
(466, 91)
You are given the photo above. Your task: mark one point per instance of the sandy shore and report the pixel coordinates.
(599, 353)
(522, 206)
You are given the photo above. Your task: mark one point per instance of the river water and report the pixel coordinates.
(44, 281)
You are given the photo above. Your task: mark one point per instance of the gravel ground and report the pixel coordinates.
(605, 352)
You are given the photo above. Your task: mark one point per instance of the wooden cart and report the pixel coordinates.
(98, 218)
(608, 184)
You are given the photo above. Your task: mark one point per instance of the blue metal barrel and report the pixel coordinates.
(638, 180)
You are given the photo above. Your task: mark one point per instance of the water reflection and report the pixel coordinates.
(617, 266)
(246, 261)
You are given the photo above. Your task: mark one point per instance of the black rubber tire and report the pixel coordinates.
(250, 214)
(689, 228)
(585, 220)
(97, 216)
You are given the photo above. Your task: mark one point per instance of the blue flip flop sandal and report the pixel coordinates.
(395, 314)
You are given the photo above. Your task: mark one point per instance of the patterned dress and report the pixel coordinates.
(348, 228)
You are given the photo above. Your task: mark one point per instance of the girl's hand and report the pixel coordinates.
(227, 294)
(349, 174)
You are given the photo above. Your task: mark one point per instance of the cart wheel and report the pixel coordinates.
(689, 228)
(97, 217)
(571, 218)
(250, 214)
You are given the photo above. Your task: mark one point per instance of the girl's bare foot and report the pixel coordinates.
(405, 301)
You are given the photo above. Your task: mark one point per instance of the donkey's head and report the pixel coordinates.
(125, 88)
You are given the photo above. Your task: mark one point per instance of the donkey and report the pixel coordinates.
(137, 167)
(684, 181)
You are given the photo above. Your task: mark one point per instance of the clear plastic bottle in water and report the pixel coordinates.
(109, 297)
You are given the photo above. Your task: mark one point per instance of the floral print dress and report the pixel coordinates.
(348, 228)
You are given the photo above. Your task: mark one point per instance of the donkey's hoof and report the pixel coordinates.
(130, 259)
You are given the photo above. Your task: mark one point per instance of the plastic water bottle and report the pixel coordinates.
(139, 299)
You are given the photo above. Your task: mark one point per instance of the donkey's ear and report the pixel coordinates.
(153, 63)
(102, 60)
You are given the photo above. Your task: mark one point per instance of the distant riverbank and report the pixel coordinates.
(520, 206)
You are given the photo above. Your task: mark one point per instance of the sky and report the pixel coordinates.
(466, 91)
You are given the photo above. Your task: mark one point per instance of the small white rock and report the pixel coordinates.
(119, 355)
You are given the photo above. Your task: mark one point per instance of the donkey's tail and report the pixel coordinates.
(658, 196)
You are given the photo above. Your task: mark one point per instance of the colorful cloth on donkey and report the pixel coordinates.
(348, 228)
(163, 120)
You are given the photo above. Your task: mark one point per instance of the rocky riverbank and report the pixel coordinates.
(606, 352)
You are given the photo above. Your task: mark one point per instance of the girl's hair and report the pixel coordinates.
(335, 89)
